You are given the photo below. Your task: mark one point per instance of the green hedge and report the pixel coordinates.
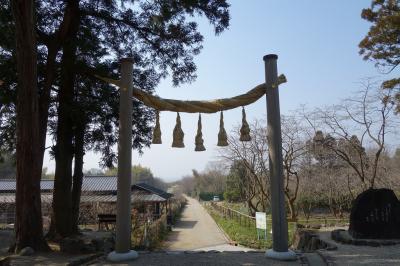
(207, 196)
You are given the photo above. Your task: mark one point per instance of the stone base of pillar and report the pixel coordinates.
(276, 255)
(117, 257)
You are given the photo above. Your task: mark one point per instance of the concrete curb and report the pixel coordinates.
(338, 235)
(329, 261)
(303, 260)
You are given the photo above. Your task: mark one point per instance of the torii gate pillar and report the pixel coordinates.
(123, 250)
(279, 222)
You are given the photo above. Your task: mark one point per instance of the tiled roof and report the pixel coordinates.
(99, 183)
(157, 191)
(136, 196)
(95, 185)
(10, 197)
(10, 185)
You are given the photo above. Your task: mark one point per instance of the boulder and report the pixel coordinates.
(26, 251)
(309, 241)
(74, 245)
(375, 214)
(84, 244)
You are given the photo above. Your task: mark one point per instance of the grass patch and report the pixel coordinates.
(237, 206)
(242, 233)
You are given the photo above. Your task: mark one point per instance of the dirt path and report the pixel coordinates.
(197, 231)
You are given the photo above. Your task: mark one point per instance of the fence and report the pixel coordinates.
(148, 235)
(243, 219)
(247, 220)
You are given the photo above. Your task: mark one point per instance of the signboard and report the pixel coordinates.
(261, 220)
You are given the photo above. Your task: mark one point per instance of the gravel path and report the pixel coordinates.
(202, 259)
(197, 231)
(361, 255)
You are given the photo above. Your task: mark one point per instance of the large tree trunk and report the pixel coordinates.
(78, 173)
(54, 44)
(62, 198)
(61, 222)
(28, 224)
(292, 210)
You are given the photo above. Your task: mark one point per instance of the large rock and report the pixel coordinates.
(375, 214)
(309, 241)
(87, 244)
(74, 245)
(27, 251)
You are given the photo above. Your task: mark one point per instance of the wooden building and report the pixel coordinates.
(99, 195)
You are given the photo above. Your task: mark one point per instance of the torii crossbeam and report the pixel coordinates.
(123, 250)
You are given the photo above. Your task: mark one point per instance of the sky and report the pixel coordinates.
(317, 46)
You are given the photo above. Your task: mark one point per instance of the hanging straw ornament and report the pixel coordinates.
(199, 142)
(245, 129)
(178, 134)
(157, 130)
(222, 137)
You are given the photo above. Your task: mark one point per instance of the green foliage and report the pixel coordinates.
(7, 165)
(237, 206)
(161, 37)
(381, 44)
(93, 171)
(234, 190)
(210, 182)
(141, 174)
(232, 195)
(111, 171)
(46, 175)
(207, 196)
(242, 233)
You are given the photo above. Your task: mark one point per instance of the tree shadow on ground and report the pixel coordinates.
(185, 224)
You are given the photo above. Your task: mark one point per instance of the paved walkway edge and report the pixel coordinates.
(227, 238)
(326, 258)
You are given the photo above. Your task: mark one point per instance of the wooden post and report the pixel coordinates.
(279, 223)
(123, 227)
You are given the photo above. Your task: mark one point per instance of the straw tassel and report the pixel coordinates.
(178, 134)
(199, 142)
(222, 137)
(245, 129)
(157, 130)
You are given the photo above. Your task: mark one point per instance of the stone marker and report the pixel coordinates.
(375, 214)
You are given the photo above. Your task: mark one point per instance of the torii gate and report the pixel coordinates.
(123, 250)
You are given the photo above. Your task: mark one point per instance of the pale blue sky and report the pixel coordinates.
(317, 45)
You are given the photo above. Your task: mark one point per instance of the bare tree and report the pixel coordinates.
(207, 183)
(357, 125)
(252, 156)
(294, 149)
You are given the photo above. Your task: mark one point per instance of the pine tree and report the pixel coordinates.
(77, 39)
(382, 42)
(28, 224)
